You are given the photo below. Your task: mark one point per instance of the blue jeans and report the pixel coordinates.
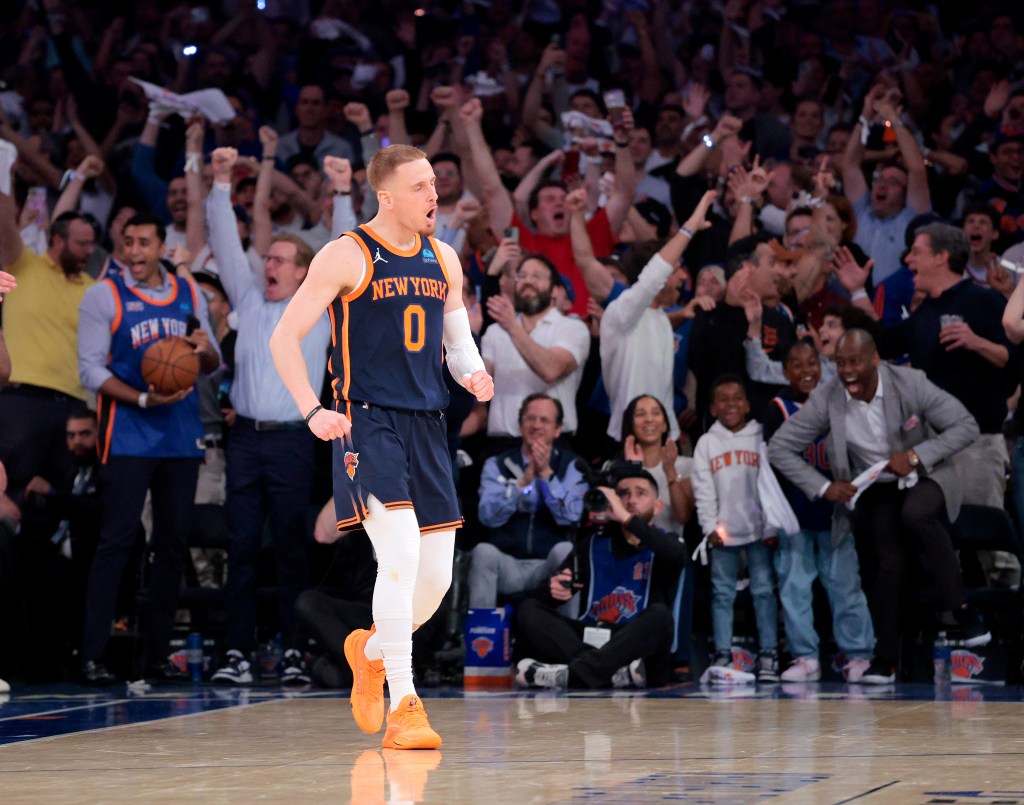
(800, 559)
(725, 567)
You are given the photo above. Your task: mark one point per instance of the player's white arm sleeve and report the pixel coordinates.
(461, 353)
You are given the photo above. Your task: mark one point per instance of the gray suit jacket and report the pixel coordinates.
(918, 414)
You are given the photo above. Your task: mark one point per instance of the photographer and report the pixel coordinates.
(623, 573)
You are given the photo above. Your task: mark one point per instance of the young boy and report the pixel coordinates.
(810, 553)
(726, 462)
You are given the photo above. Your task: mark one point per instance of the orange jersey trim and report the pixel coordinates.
(432, 529)
(346, 360)
(117, 306)
(440, 262)
(108, 436)
(393, 249)
(169, 300)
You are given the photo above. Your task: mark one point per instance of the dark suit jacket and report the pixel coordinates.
(918, 414)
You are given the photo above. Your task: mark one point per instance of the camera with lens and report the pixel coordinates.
(594, 500)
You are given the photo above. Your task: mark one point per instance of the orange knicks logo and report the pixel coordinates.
(351, 464)
(482, 646)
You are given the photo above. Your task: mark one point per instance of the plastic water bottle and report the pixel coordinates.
(194, 655)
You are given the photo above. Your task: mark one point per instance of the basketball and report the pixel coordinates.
(170, 365)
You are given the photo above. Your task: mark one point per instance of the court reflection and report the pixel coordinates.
(392, 775)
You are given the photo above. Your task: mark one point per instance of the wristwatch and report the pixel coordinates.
(913, 459)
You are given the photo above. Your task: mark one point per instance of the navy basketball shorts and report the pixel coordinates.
(401, 458)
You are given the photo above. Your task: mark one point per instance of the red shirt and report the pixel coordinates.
(559, 251)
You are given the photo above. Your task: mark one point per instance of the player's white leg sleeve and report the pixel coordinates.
(395, 536)
(461, 353)
(434, 577)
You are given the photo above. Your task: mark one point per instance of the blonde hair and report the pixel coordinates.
(303, 251)
(387, 160)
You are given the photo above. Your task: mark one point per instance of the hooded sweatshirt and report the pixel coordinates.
(724, 477)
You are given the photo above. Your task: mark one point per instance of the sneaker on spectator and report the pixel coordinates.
(878, 673)
(633, 675)
(724, 672)
(970, 630)
(533, 674)
(235, 671)
(853, 671)
(768, 666)
(802, 669)
(293, 668)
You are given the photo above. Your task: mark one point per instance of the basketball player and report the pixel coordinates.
(395, 298)
(149, 441)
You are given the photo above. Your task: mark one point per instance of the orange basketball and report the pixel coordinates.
(170, 365)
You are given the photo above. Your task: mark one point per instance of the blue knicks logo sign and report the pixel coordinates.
(428, 256)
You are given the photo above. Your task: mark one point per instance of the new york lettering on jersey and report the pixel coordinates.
(166, 431)
(387, 333)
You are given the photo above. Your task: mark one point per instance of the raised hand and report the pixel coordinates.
(851, 276)
(90, 167)
(444, 98)
(508, 251)
(397, 100)
(223, 161)
(472, 112)
(698, 219)
(194, 136)
(727, 126)
(339, 173)
(358, 114)
(576, 201)
(466, 209)
(268, 139)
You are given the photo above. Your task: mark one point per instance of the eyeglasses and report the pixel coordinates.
(532, 276)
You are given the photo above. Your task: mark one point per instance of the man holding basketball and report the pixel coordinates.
(149, 441)
(395, 298)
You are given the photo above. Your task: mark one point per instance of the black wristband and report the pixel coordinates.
(309, 416)
(341, 192)
(621, 145)
(366, 133)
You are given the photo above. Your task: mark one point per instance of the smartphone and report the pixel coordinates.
(189, 50)
(571, 165)
(36, 201)
(615, 101)
(512, 233)
(191, 325)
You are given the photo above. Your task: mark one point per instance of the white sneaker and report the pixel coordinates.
(854, 670)
(802, 669)
(633, 675)
(235, 671)
(727, 675)
(533, 674)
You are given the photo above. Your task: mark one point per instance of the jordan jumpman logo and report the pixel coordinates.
(377, 258)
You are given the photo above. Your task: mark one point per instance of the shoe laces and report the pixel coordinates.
(413, 716)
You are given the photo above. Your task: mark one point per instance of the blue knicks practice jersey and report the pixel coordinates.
(387, 333)
(164, 431)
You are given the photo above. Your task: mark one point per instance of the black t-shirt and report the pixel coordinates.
(982, 387)
(716, 348)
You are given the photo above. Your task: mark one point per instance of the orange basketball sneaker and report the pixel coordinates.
(368, 677)
(408, 727)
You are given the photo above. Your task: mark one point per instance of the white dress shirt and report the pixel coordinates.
(514, 379)
(866, 440)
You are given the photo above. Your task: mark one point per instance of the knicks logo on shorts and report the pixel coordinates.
(351, 464)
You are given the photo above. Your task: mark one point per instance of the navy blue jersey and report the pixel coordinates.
(388, 332)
